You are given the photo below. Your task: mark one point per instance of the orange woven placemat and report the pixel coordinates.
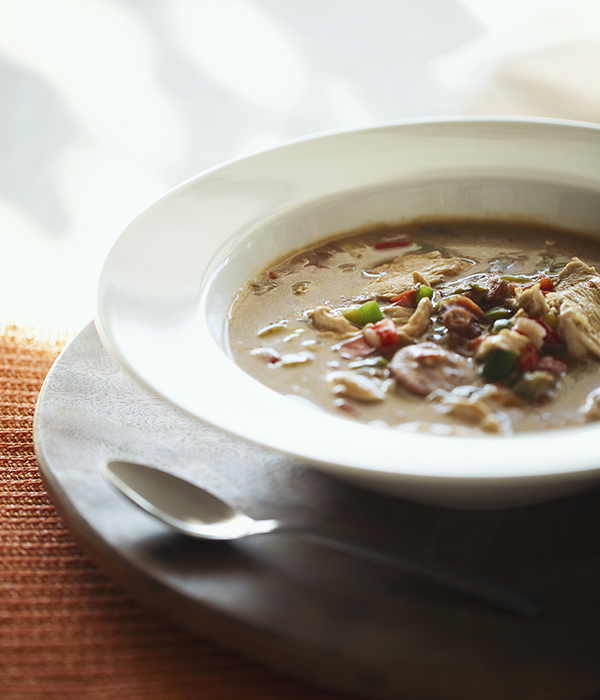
(65, 630)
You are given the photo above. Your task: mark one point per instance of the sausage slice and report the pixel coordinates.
(423, 368)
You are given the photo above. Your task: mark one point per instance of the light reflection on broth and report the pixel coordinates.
(453, 327)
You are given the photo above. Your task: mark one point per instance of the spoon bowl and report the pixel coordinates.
(185, 507)
(192, 511)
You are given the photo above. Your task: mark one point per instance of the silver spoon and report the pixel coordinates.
(197, 513)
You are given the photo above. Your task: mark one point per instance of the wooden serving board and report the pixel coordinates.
(317, 614)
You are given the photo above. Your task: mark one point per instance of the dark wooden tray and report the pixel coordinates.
(312, 612)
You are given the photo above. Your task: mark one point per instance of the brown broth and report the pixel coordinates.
(271, 313)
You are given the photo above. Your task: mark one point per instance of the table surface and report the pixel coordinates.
(68, 631)
(333, 619)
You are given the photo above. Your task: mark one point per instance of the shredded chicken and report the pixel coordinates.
(501, 396)
(579, 334)
(399, 314)
(533, 301)
(419, 278)
(411, 323)
(505, 340)
(419, 321)
(530, 329)
(492, 424)
(471, 410)
(398, 276)
(576, 302)
(296, 358)
(591, 408)
(355, 386)
(325, 320)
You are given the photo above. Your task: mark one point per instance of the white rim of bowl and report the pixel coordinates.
(398, 453)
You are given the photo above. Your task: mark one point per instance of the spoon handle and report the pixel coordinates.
(502, 594)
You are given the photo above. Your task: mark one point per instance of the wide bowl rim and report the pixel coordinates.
(560, 444)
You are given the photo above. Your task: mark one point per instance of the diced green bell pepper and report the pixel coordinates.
(354, 316)
(371, 312)
(422, 292)
(501, 324)
(497, 312)
(533, 385)
(498, 364)
(367, 313)
(518, 279)
(551, 320)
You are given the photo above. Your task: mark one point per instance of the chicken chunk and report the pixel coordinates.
(533, 301)
(419, 321)
(399, 275)
(530, 329)
(591, 409)
(399, 314)
(473, 411)
(325, 320)
(411, 323)
(576, 302)
(355, 386)
(505, 340)
(419, 278)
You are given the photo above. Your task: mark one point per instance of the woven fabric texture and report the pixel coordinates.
(65, 630)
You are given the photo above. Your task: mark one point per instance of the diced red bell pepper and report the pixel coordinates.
(355, 348)
(382, 334)
(529, 358)
(552, 364)
(399, 243)
(406, 299)
(546, 284)
(551, 337)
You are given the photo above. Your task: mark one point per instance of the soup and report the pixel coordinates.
(449, 327)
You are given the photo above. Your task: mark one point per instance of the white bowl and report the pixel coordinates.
(168, 283)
